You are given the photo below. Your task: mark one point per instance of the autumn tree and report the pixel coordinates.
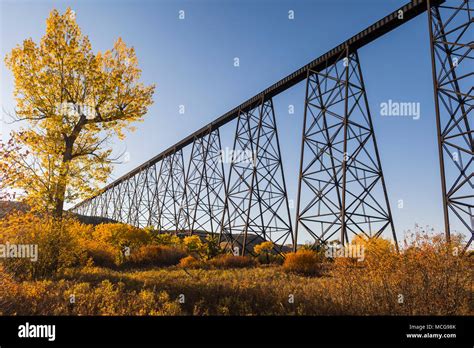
(264, 249)
(72, 101)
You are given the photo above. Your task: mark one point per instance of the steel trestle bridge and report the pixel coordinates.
(341, 187)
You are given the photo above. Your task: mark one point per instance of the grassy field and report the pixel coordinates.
(252, 291)
(82, 270)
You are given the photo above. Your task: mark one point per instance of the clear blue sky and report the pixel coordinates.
(191, 62)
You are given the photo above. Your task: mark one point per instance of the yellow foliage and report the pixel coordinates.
(120, 235)
(431, 279)
(427, 276)
(163, 238)
(374, 245)
(72, 101)
(266, 255)
(56, 247)
(194, 244)
(100, 253)
(263, 248)
(98, 298)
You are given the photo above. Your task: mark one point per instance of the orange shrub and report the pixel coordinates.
(101, 254)
(232, 261)
(190, 262)
(9, 290)
(305, 262)
(427, 276)
(155, 255)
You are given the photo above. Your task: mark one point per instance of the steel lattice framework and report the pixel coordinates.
(205, 185)
(340, 163)
(257, 202)
(341, 189)
(451, 38)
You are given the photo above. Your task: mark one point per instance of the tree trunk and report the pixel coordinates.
(60, 194)
(61, 184)
(59, 201)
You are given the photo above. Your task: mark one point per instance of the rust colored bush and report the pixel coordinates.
(190, 262)
(101, 254)
(304, 262)
(155, 255)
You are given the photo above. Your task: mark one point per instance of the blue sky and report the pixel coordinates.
(191, 62)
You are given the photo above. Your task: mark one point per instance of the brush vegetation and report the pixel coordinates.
(91, 265)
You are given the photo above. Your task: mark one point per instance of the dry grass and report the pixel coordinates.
(103, 297)
(426, 278)
(227, 261)
(346, 290)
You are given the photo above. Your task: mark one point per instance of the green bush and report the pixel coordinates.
(194, 245)
(212, 247)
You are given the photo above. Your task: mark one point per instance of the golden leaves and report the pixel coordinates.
(103, 96)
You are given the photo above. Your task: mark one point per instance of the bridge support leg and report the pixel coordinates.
(341, 191)
(256, 206)
(205, 186)
(170, 193)
(118, 199)
(450, 30)
(451, 34)
(138, 214)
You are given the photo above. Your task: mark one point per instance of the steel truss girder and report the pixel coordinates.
(256, 205)
(451, 42)
(152, 197)
(129, 202)
(341, 190)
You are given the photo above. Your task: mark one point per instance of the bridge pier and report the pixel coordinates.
(256, 206)
(170, 192)
(451, 34)
(205, 185)
(341, 189)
